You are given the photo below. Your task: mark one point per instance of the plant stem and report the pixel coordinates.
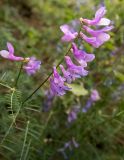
(45, 79)
(16, 82)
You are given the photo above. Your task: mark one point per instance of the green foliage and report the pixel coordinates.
(29, 133)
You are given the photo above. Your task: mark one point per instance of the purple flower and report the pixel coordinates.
(10, 53)
(69, 33)
(93, 98)
(94, 95)
(81, 56)
(72, 115)
(96, 41)
(75, 71)
(87, 106)
(95, 33)
(57, 77)
(57, 87)
(32, 66)
(98, 20)
(67, 75)
(47, 103)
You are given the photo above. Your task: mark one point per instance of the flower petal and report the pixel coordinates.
(65, 28)
(10, 48)
(4, 53)
(100, 12)
(104, 22)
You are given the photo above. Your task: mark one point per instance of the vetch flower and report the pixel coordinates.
(76, 71)
(95, 95)
(10, 53)
(93, 98)
(67, 75)
(57, 86)
(81, 56)
(57, 77)
(95, 33)
(72, 115)
(69, 33)
(96, 41)
(32, 66)
(98, 20)
(87, 106)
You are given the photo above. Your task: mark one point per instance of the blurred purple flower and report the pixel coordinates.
(98, 20)
(93, 98)
(32, 66)
(57, 86)
(68, 145)
(72, 115)
(81, 56)
(10, 53)
(69, 33)
(87, 106)
(75, 71)
(95, 95)
(96, 41)
(47, 103)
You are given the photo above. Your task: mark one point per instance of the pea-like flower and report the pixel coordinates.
(67, 75)
(95, 95)
(81, 56)
(98, 19)
(57, 86)
(93, 98)
(10, 53)
(76, 71)
(57, 77)
(95, 33)
(32, 66)
(97, 41)
(69, 33)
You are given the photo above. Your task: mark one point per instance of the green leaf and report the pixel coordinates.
(78, 89)
(119, 75)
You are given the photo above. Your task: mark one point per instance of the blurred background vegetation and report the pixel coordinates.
(32, 26)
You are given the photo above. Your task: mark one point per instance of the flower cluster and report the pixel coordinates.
(74, 71)
(32, 65)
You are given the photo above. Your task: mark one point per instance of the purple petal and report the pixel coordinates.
(10, 48)
(97, 32)
(32, 66)
(65, 28)
(81, 56)
(95, 95)
(104, 22)
(100, 12)
(4, 53)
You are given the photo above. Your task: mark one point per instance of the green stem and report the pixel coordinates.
(45, 79)
(16, 82)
